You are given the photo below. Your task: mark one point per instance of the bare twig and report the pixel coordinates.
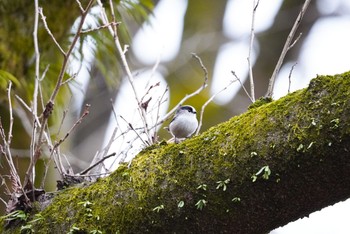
(295, 41)
(144, 104)
(9, 135)
(252, 35)
(207, 102)
(55, 149)
(6, 151)
(240, 82)
(134, 130)
(85, 113)
(155, 136)
(286, 48)
(97, 163)
(20, 111)
(28, 181)
(80, 6)
(100, 27)
(188, 96)
(43, 17)
(204, 69)
(290, 76)
(130, 77)
(37, 58)
(44, 73)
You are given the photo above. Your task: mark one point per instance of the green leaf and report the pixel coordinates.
(201, 203)
(5, 77)
(158, 208)
(202, 186)
(236, 199)
(265, 171)
(181, 204)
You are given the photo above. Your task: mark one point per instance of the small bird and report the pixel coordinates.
(184, 123)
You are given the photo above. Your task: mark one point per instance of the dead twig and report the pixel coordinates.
(286, 47)
(28, 181)
(240, 82)
(206, 103)
(290, 76)
(100, 27)
(252, 35)
(188, 96)
(97, 163)
(113, 30)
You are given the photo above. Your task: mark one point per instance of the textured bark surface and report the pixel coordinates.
(271, 165)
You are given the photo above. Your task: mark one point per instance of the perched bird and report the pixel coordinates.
(184, 123)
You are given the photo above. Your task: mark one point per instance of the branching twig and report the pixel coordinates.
(14, 176)
(55, 148)
(114, 33)
(286, 48)
(207, 102)
(240, 82)
(188, 96)
(49, 106)
(100, 27)
(251, 78)
(85, 113)
(134, 130)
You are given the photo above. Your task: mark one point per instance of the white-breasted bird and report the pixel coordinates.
(184, 123)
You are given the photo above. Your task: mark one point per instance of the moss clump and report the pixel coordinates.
(261, 101)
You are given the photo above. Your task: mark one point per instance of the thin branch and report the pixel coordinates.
(44, 73)
(155, 136)
(3, 201)
(43, 17)
(286, 48)
(37, 58)
(9, 135)
(37, 80)
(290, 76)
(20, 112)
(109, 144)
(295, 41)
(204, 69)
(15, 179)
(69, 79)
(97, 163)
(100, 27)
(207, 102)
(144, 104)
(240, 82)
(85, 113)
(80, 6)
(114, 33)
(134, 130)
(188, 96)
(252, 35)
(49, 106)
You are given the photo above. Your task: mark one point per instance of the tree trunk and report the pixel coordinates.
(275, 163)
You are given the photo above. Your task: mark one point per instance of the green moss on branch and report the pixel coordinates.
(271, 165)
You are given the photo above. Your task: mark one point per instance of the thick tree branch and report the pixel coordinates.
(271, 165)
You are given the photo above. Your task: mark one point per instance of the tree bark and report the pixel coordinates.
(276, 163)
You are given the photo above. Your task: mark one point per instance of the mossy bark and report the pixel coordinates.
(271, 165)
